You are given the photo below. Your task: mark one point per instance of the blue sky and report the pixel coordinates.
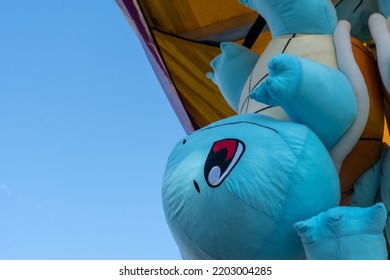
(85, 132)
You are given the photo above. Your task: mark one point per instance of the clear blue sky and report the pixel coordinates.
(85, 132)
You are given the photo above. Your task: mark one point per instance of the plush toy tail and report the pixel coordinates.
(349, 67)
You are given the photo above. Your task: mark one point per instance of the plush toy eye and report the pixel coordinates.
(223, 156)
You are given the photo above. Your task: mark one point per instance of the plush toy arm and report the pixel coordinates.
(345, 233)
(380, 31)
(313, 94)
(231, 71)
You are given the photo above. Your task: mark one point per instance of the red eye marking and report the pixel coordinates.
(229, 144)
(222, 158)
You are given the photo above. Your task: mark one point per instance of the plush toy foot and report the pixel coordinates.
(345, 233)
(231, 71)
(380, 31)
(312, 94)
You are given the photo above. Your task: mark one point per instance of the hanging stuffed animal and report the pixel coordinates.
(237, 188)
(254, 186)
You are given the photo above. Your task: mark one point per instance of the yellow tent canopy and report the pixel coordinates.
(182, 37)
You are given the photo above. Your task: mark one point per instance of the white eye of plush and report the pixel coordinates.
(214, 175)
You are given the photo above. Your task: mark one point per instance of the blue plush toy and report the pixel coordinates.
(235, 188)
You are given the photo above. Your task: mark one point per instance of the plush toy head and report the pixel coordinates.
(299, 16)
(345, 233)
(234, 189)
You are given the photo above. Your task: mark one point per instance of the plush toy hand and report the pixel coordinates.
(318, 96)
(231, 70)
(345, 233)
(380, 30)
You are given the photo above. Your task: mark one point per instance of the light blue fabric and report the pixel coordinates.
(384, 7)
(284, 175)
(310, 93)
(345, 233)
(231, 71)
(366, 190)
(288, 17)
(357, 12)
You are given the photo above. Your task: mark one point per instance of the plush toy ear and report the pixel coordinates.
(231, 70)
(345, 233)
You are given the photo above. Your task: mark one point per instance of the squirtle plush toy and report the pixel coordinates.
(240, 187)
(234, 189)
(265, 185)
